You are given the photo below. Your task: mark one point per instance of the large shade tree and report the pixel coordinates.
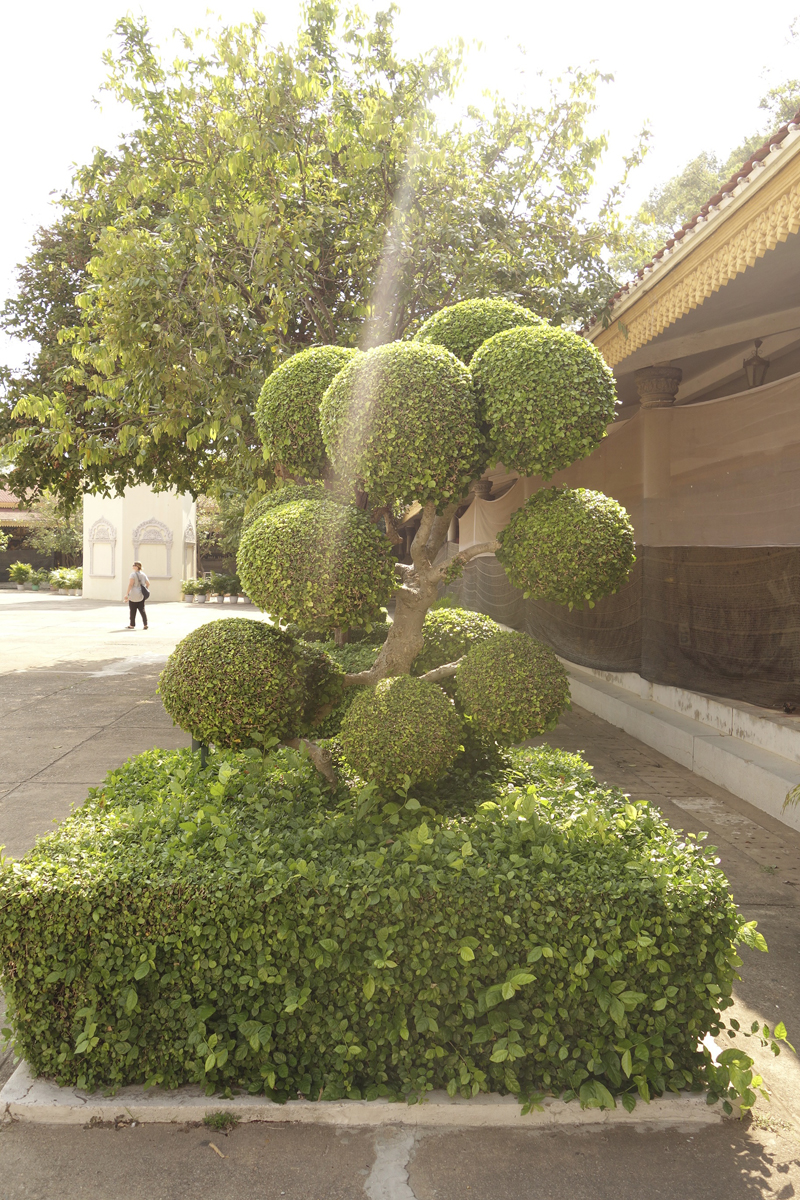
(269, 199)
(413, 423)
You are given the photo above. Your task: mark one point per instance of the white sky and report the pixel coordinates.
(695, 70)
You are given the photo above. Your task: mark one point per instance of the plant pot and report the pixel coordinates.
(219, 598)
(74, 592)
(243, 599)
(230, 599)
(63, 591)
(34, 587)
(200, 599)
(187, 597)
(20, 587)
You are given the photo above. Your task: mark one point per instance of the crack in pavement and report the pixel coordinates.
(388, 1179)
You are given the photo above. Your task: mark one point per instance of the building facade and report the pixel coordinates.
(156, 528)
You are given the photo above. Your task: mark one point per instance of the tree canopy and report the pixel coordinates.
(271, 198)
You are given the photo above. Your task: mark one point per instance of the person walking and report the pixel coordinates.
(137, 593)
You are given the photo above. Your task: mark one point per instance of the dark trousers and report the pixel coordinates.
(137, 606)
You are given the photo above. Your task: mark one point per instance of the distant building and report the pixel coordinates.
(156, 528)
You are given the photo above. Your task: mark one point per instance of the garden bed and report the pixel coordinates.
(521, 931)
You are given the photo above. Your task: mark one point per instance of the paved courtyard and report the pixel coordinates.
(77, 697)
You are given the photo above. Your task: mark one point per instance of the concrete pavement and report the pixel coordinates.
(77, 697)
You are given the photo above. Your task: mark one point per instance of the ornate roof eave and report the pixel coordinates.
(761, 211)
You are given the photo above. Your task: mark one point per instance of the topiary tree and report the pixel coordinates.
(413, 423)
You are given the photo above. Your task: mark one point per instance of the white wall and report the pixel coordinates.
(161, 524)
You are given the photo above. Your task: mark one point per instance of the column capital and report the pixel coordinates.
(658, 385)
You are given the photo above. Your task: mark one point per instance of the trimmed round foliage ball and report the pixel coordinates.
(287, 413)
(232, 678)
(513, 686)
(546, 396)
(568, 545)
(449, 633)
(316, 562)
(399, 423)
(402, 726)
(463, 327)
(282, 494)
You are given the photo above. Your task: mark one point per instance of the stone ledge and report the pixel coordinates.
(25, 1098)
(691, 735)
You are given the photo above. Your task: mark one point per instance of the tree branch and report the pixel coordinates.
(443, 672)
(418, 553)
(319, 757)
(438, 534)
(467, 555)
(391, 530)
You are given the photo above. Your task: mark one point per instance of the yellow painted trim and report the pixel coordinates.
(746, 235)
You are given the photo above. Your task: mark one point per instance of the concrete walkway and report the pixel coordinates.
(77, 697)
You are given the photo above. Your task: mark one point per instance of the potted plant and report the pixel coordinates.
(202, 590)
(58, 582)
(218, 586)
(19, 573)
(36, 579)
(188, 590)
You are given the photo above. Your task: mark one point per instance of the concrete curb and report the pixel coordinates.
(719, 741)
(25, 1098)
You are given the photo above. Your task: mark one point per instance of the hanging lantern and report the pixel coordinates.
(756, 367)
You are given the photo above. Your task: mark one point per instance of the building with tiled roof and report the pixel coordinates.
(704, 454)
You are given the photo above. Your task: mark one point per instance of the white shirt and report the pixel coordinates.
(134, 585)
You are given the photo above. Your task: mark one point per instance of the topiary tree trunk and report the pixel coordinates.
(358, 437)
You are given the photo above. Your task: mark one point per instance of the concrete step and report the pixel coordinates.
(755, 772)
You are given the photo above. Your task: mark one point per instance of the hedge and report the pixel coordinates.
(546, 395)
(464, 327)
(399, 423)
(227, 928)
(568, 545)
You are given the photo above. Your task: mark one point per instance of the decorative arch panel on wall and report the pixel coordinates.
(189, 547)
(102, 549)
(154, 533)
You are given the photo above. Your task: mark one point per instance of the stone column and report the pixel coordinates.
(657, 386)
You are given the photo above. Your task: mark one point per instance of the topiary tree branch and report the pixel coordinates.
(464, 556)
(444, 672)
(419, 546)
(320, 758)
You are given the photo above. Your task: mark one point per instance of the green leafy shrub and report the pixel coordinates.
(232, 679)
(449, 633)
(323, 681)
(226, 928)
(19, 572)
(568, 545)
(287, 413)
(399, 423)
(403, 727)
(463, 328)
(316, 562)
(355, 656)
(513, 686)
(546, 395)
